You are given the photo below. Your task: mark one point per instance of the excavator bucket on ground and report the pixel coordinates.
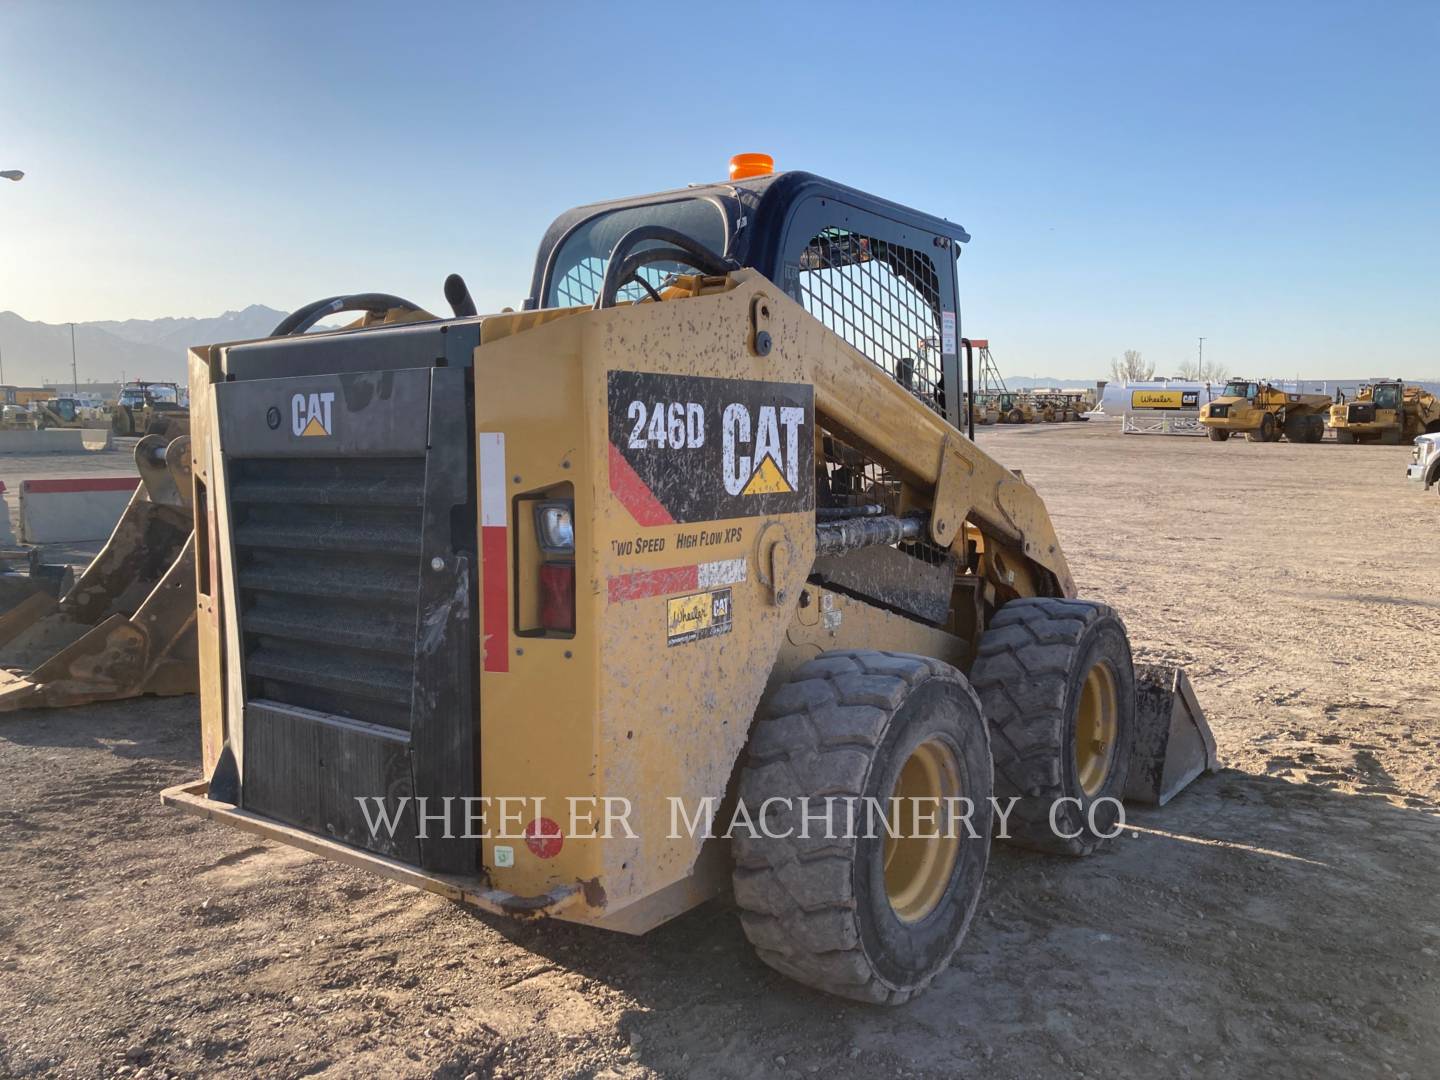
(1173, 741)
(127, 626)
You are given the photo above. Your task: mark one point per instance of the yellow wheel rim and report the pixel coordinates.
(921, 855)
(1096, 728)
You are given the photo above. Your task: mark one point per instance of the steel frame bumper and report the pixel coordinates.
(193, 798)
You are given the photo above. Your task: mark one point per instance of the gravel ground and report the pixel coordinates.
(1279, 919)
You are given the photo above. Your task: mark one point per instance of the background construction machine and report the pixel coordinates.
(675, 544)
(1263, 413)
(149, 408)
(63, 412)
(1386, 411)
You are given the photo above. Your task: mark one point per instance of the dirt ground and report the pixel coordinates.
(1281, 919)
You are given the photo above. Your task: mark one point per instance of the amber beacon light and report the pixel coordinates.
(743, 166)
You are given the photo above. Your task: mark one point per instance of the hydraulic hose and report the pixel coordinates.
(684, 249)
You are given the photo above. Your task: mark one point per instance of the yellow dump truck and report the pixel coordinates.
(1262, 413)
(667, 583)
(1386, 411)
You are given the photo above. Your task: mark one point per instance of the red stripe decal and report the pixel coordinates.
(95, 483)
(634, 494)
(496, 599)
(643, 583)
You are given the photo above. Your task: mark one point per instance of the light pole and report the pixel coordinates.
(12, 174)
(1201, 372)
(74, 380)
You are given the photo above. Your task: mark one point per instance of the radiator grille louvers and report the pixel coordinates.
(328, 563)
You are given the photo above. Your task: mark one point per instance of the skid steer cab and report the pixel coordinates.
(683, 577)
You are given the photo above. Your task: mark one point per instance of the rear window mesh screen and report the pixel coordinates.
(577, 267)
(882, 298)
(580, 285)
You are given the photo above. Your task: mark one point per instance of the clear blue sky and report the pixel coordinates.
(1135, 175)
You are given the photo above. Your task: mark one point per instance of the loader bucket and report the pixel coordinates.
(127, 625)
(1173, 742)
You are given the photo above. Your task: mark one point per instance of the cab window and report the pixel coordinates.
(579, 265)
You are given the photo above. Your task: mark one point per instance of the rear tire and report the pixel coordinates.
(1043, 667)
(857, 915)
(1296, 428)
(1315, 429)
(1217, 434)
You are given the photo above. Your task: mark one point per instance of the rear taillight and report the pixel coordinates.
(555, 535)
(557, 597)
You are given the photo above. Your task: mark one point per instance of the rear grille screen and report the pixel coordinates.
(328, 563)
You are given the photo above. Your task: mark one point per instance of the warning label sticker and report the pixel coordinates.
(687, 448)
(947, 333)
(701, 615)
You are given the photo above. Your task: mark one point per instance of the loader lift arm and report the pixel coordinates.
(943, 472)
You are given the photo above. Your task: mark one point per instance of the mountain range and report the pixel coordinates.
(35, 353)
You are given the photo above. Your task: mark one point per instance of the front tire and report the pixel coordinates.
(1265, 432)
(846, 911)
(1217, 434)
(1057, 683)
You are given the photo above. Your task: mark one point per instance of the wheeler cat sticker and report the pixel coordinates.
(687, 448)
(693, 618)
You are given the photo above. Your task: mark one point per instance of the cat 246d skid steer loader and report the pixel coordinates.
(669, 580)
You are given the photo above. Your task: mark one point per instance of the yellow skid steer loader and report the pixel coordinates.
(685, 576)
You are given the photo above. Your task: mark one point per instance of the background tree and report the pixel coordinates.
(1131, 367)
(1208, 371)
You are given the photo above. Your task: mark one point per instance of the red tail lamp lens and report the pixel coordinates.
(557, 597)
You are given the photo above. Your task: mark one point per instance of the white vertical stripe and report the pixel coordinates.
(491, 449)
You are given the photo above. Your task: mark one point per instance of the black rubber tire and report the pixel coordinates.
(816, 909)
(1032, 664)
(1265, 432)
(1217, 434)
(1015, 416)
(121, 422)
(1296, 428)
(1315, 429)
